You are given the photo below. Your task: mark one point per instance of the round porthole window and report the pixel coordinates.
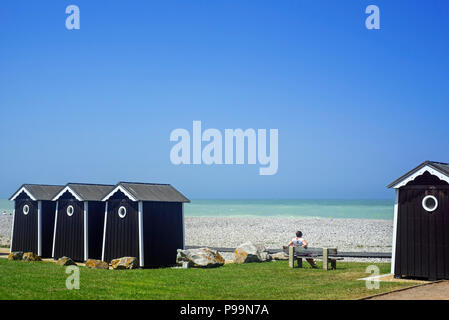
(70, 211)
(122, 212)
(26, 209)
(430, 203)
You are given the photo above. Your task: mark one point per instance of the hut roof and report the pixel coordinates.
(148, 192)
(86, 191)
(38, 192)
(440, 169)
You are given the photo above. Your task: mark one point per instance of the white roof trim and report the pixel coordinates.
(420, 172)
(77, 197)
(23, 189)
(119, 188)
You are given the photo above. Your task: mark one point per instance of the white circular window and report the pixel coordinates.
(122, 212)
(430, 203)
(70, 211)
(26, 209)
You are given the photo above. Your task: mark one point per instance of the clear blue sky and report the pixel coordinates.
(355, 108)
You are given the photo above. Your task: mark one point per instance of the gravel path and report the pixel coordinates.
(345, 234)
(434, 291)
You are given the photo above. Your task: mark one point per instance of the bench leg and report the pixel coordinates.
(299, 262)
(291, 258)
(333, 264)
(325, 260)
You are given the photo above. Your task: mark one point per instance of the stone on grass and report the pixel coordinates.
(199, 258)
(97, 264)
(15, 255)
(279, 256)
(30, 256)
(65, 261)
(250, 252)
(124, 263)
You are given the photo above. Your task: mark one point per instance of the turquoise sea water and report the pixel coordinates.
(362, 209)
(6, 205)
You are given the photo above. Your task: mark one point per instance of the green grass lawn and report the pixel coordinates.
(270, 280)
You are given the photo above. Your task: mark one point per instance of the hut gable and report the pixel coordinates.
(120, 195)
(23, 195)
(429, 172)
(84, 192)
(147, 192)
(37, 192)
(427, 179)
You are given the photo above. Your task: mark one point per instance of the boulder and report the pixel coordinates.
(65, 261)
(279, 256)
(124, 263)
(249, 252)
(30, 256)
(199, 258)
(264, 256)
(15, 255)
(97, 264)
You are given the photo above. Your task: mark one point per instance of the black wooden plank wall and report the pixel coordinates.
(25, 227)
(48, 227)
(95, 228)
(163, 232)
(422, 243)
(69, 239)
(122, 234)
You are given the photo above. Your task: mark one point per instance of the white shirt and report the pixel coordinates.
(298, 241)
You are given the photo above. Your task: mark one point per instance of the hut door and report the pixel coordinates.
(25, 226)
(122, 232)
(70, 230)
(422, 243)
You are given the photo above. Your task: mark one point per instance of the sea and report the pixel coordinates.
(359, 209)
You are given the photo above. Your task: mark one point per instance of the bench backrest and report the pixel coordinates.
(312, 251)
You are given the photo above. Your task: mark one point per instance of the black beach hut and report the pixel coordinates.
(79, 221)
(145, 221)
(33, 221)
(421, 223)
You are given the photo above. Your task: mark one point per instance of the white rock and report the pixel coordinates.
(202, 257)
(249, 252)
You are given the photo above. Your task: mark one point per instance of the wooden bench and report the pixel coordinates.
(328, 255)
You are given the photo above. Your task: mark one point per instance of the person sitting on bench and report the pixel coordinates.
(299, 241)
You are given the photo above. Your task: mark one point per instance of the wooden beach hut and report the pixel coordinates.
(79, 220)
(33, 220)
(421, 223)
(145, 221)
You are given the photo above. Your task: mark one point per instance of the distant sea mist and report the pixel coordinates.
(359, 209)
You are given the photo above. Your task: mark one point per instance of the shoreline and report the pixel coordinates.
(287, 217)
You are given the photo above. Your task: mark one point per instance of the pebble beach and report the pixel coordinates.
(274, 232)
(361, 235)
